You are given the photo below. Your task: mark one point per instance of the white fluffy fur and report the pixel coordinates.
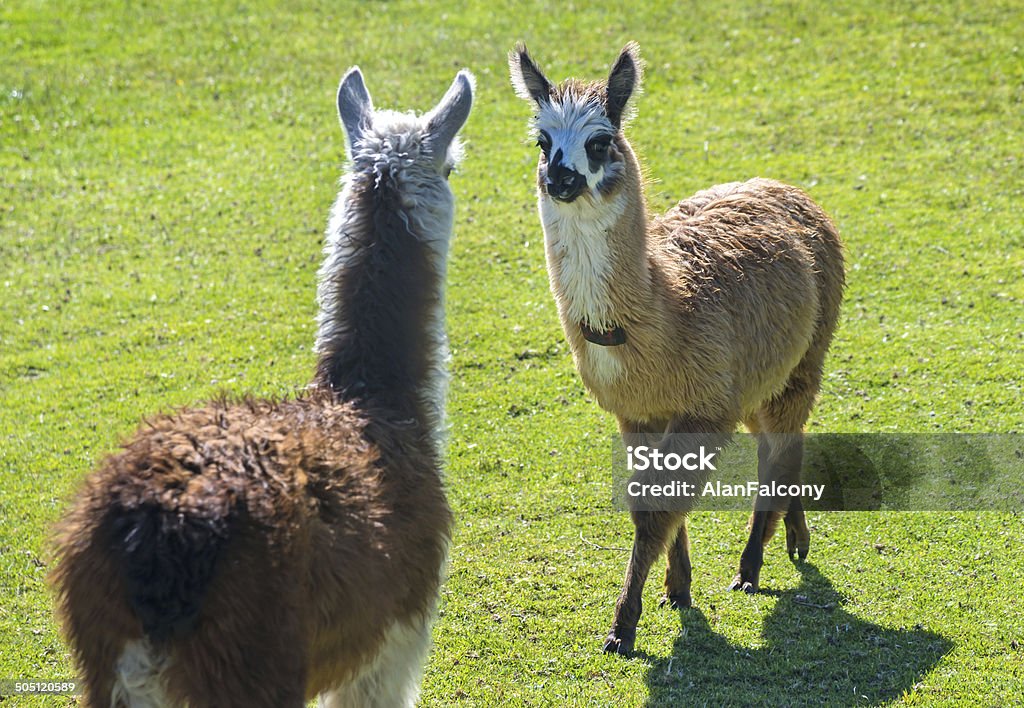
(392, 680)
(137, 682)
(579, 256)
(576, 241)
(604, 363)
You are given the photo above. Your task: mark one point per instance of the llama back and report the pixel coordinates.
(764, 217)
(749, 243)
(278, 489)
(756, 268)
(142, 543)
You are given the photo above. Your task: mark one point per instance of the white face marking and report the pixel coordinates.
(570, 124)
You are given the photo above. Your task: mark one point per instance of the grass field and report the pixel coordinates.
(166, 173)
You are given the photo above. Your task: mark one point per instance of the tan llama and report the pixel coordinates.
(718, 312)
(261, 553)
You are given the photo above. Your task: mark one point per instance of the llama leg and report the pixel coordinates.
(787, 414)
(678, 573)
(798, 535)
(652, 529)
(753, 555)
(778, 460)
(95, 617)
(692, 435)
(758, 525)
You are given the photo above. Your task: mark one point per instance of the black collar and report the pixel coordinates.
(609, 338)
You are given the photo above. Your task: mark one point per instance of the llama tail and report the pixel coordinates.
(167, 559)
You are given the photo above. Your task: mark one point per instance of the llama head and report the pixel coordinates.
(578, 124)
(415, 153)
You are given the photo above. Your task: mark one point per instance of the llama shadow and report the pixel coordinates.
(815, 653)
(850, 478)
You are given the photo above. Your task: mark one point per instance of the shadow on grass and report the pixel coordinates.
(815, 653)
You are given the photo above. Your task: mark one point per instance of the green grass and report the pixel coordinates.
(166, 174)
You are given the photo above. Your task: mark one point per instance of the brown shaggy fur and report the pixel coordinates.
(728, 302)
(326, 523)
(259, 553)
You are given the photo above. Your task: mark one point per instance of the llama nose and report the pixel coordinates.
(563, 183)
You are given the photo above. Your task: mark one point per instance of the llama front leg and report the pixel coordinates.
(778, 459)
(686, 436)
(762, 527)
(652, 530)
(678, 572)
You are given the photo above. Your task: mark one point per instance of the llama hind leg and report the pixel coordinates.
(392, 679)
(788, 414)
(779, 426)
(798, 534)
(778, 460)
(678, 573)
(249, 646)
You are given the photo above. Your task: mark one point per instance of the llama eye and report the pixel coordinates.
(597, 148)
(544, 142)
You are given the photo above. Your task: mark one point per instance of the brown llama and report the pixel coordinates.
(718, 312)
(262, 553)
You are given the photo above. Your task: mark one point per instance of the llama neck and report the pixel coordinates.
(382, 333)
(597, 251)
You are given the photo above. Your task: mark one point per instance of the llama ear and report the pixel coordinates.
(354, 106)
(623, 82)
(448, 116)
(527, 78)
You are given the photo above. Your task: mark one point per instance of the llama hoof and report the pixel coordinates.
(747, 586)
(676, 602)
(796, 546)
(619, 642)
